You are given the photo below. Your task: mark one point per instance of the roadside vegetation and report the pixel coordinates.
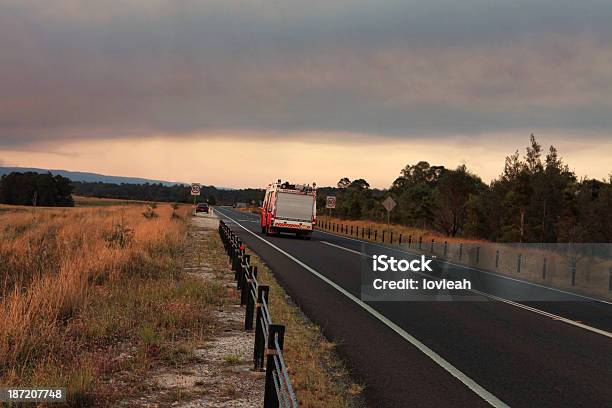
(157, 192)
(397, 230)
(81, 201)
(317, 373)
(536, 198)
(94, 298)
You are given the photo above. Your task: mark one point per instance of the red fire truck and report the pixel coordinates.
(289, 208)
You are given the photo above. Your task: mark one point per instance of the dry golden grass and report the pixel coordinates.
(82, 201)
(80, 287)
(397, 229)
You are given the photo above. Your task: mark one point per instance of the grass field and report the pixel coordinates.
(82, 287)
(81, 201)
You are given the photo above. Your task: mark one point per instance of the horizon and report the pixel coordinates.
(605, 177)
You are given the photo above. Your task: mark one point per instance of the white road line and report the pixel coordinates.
(531, 309)
(470, 268)
(346, 249)
(467, 381)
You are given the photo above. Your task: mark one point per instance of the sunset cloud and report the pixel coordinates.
(391, 72)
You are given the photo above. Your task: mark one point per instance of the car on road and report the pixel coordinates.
(202, 207)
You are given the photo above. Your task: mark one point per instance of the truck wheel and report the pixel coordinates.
(263, 230)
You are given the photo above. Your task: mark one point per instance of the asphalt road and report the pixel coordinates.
(439, 354)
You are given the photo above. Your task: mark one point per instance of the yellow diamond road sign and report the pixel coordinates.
(389, 203)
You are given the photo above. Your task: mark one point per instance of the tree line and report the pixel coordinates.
(179, 193)
(31, 188)
(44, 189)
(537, 198)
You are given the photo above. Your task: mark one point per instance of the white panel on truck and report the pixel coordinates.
(294, 207)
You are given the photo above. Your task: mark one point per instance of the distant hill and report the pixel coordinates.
(89, 177)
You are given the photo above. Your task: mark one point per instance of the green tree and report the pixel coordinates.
(452, 194)
(415, 190)
(31, 188)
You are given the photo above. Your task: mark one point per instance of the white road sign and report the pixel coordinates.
(195, 189)
(330, 202)
(389, 204)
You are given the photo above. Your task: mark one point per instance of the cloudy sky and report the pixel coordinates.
(240, 93)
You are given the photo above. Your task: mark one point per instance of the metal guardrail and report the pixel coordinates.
(269, 337)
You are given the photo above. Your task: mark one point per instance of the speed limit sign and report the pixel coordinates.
(195, 189)
(330, 202)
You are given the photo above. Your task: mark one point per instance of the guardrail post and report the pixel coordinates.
(375, 235)
(250, 302)
(445, 248)
(244, 277)
(237, 271)
(544, 269)
(496, 258)
(518, 265)
(460, 250)
(409, 240)
(369, 232)
(432, 244)
(351, 230)
(270, 396)
(234, 256)
(400, 239)
(420, 242)
(383, 236)
(477, 254)
(573, 271)
(258, 351)
(391, 238)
